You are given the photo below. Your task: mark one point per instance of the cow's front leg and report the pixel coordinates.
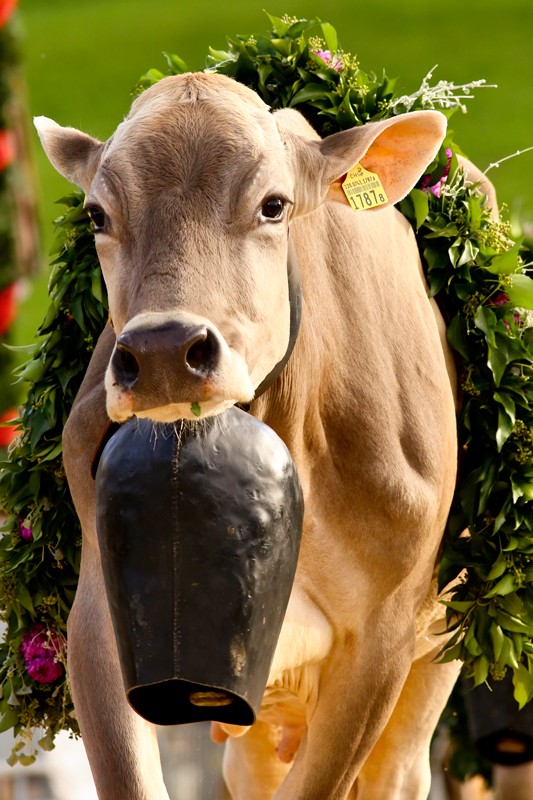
(359, 686)
(398, 766)
(121, 747)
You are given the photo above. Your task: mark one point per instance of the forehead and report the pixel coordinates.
(190, 133)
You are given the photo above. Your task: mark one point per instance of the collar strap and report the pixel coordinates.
(295, 302)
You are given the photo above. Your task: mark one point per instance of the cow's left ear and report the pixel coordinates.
(398, 150)
(74, 154)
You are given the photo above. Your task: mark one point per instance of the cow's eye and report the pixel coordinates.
(273, 208)
(97, 216)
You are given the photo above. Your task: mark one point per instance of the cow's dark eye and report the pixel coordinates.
(273, 208)
(97, 216)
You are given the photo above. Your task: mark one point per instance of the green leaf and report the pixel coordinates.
(508, 403)
(485, 319)
(47, 742)
(498, 568)
(505, 586)
(496, 635)
(510, 623)
(523, 685)
(481, 670)
(457, 336)
(507, 263)
(521, 291)
(13, 699)
(458, 605)
(330, 35)
(449, 231)
(23, 596)
(497, 362)
(150, 78)
(26, 760)
(309, 92)
(469, 253)
(421, 206)
(220, 55)
(505, 428)
(452, 654)
(9, 719)
(96, 288)
(279, 26)
(176, 65)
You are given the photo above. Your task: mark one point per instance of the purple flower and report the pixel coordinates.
(44, 670)
(424, 183)
(41, 649)
(327, 58)
(500, 300)
(25, 533)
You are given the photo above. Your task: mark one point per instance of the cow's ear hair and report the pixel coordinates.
(398, 150)
(74, 154)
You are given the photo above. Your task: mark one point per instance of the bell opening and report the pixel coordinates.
(177, 702)
(508, 747)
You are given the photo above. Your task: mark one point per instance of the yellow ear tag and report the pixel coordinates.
(363, 189)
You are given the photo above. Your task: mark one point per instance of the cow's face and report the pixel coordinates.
(191, 199)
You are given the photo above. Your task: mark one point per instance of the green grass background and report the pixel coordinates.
(84, 57)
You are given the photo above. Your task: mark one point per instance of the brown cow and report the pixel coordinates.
(191, 199)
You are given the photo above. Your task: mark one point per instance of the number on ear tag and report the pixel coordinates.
(363, 189)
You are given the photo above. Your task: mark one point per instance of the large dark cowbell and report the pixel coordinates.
(199, 527)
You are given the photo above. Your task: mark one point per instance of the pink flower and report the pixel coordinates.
(25, 533)
(44, 670)
(500, 300)
(327, 58)
(424, 183)
(41, 649)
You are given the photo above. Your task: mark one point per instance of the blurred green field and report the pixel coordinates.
(83, 58)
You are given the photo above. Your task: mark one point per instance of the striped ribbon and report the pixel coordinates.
(6, 10)
(8, 307)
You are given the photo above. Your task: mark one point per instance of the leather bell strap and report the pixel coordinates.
(295, 302)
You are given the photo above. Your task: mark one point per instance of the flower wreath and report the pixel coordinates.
(477, 275)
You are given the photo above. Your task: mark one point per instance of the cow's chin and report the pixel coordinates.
(176, 411)
(121, 407)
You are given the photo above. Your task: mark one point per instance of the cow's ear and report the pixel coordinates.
(74, 154)
(398, 150)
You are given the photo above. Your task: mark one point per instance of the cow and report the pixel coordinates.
(191, 199)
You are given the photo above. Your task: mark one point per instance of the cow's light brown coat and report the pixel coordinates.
(366, 407)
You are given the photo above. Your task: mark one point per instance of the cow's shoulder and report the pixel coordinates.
(88, 420)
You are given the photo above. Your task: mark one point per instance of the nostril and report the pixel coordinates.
(202, 354)
(126, 367)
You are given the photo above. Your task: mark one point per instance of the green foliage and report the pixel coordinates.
(474, 271)
(38, 578)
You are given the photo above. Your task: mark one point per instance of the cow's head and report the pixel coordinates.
(191, 199)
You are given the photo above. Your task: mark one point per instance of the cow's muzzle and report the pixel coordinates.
(190, 354)
(163, 363)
